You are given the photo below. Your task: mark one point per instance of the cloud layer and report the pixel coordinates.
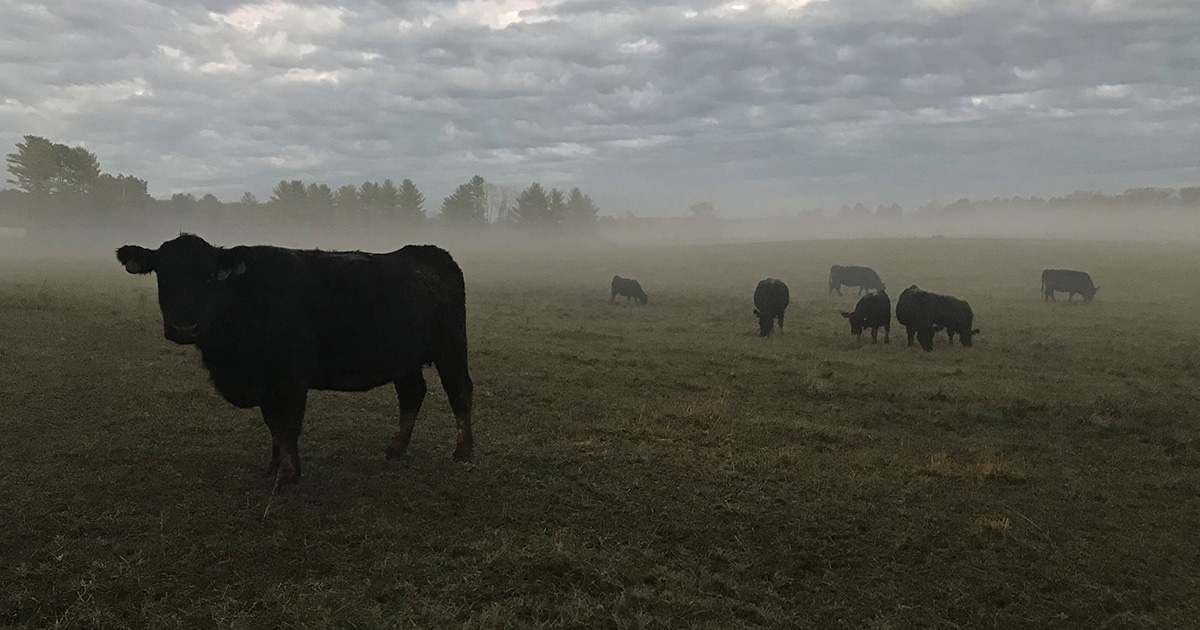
(761, 106)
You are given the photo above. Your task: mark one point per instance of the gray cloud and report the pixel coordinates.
(758, 105)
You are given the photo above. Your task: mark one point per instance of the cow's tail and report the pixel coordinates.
(1043, 283)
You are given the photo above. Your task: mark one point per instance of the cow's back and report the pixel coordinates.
(1069, 279)
(855, 276)
(375, 315)
(912, 307)
(771, 296)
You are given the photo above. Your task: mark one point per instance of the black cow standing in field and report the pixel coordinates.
(272, 323)
(1069, 282)
(629, 288)
(923, 313)
(770, 301)
(864, 278)
(873, 311)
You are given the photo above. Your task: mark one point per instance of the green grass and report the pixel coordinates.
(656, 466)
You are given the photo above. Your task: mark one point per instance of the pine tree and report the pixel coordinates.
(465, 206)
(411, 203)
(533, 207)
(581, 210)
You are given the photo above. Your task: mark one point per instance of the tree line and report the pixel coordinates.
(58, 185)
(67, 183)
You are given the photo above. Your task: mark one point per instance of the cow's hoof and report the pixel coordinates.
(462, 454)
(393, 451)
(288, 477)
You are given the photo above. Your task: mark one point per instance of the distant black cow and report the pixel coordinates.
(770, 301)
(272, 323)
(629, 288)
(923, 313)
(873, 311)
(864, 278)
(1069, 282)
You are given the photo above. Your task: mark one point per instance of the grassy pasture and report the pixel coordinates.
(656, 466)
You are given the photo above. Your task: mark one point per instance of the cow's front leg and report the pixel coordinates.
(284, 414)
(273, 467)
(874, 335)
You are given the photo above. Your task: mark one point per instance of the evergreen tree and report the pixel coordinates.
(43, 168)
(533, 207)
(290, 194)
(411, 203)
(183, 202)
(369, 198)
(34, 165)
(345, 199)
(581, 210)
(389, 198)
(209, 202)
(318, 197)
(249, 199)
(465, 206)
(557, 209)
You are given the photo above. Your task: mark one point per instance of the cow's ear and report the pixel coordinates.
(1095, 289)
(756, 311)
(975, 332)
(846, 315)
(236, 269)
(230, 263)
(137, 259)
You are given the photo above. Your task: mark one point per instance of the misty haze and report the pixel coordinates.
(513, 313)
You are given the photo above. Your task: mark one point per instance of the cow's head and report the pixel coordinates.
(1091, 294)
(643, 298)
(194, 282)
(765, 323)
(965, 337)
(856, 324)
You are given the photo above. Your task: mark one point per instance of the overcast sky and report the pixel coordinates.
(761, 106)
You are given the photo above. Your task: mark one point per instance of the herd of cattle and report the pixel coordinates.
(272, 323)
(922, 313)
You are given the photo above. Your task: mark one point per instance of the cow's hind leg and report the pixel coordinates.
(781, 322)
(912, 332)
(874, 335)
(887, 334)
(456, 380)
(410, 391)
(284, 415)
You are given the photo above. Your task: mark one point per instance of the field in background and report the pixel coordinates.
(656, 466)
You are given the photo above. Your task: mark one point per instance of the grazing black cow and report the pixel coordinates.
(770, 301)
(864, 278)
(873, 311)
(1069, 282)
(629, 288)
(923, 313)
(272, 323)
